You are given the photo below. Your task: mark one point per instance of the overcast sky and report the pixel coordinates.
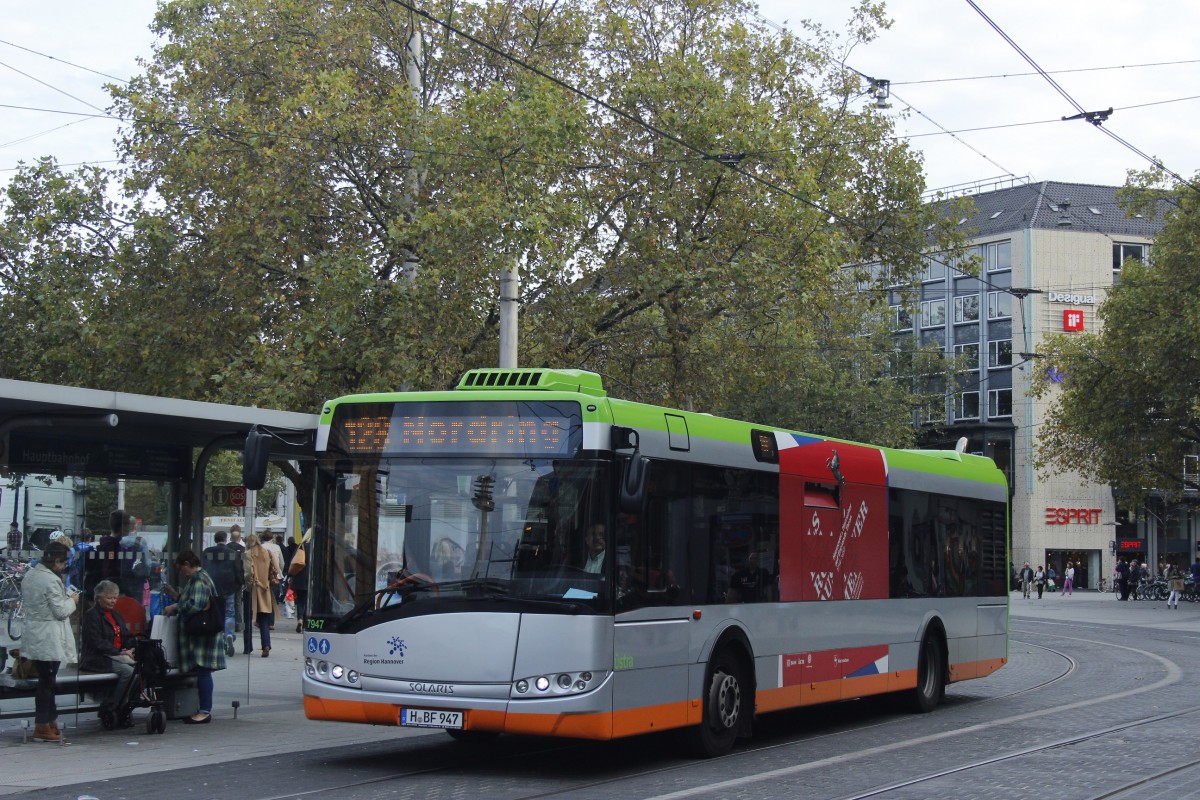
(1157, 108)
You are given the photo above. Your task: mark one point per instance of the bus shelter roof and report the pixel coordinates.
(52, 429)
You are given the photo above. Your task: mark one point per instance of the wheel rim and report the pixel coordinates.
(728, 699)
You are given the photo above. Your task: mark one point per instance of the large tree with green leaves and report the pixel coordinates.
(1127, 412)
(320, 197)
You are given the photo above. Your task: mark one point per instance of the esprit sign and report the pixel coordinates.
(1072, 299)
(1072, 516)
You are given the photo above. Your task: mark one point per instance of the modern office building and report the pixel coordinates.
(1049, 253)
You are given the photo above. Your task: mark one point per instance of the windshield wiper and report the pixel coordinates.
(409, 584)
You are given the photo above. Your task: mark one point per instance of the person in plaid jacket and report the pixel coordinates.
(202, 654)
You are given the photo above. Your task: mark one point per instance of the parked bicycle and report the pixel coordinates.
(11, 608)
(1151, 589)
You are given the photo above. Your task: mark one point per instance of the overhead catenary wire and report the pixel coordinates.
(1082, 113)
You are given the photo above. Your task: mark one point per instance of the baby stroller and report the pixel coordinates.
(149, 669)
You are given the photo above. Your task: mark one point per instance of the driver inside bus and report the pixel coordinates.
(594, 541)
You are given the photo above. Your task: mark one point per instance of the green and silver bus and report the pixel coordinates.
(525, 554)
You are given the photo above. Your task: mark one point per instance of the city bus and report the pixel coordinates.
(524, 554)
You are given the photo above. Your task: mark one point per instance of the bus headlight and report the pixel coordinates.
(558, 684)
(337, 672)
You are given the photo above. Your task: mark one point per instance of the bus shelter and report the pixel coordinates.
(167, 445)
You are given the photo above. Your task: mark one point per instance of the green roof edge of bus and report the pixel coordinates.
(562, 383)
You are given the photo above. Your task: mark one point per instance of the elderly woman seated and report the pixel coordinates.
(107, 644)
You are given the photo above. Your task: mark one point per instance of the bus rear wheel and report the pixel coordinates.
(931, 676)
(725, 704)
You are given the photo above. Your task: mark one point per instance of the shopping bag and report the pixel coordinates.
(166, 630)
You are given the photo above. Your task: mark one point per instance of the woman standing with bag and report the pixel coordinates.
(262, 578)
(48, 638)
(203, 653)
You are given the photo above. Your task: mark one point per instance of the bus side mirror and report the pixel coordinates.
(255, 457)
(633, 484)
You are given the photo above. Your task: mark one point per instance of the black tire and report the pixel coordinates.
(157, 723)
(726, 704)
(931, 676)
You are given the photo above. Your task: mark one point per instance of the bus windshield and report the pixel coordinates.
(395, 532)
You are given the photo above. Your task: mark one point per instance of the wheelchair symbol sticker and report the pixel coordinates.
(323, 647)
(312, 644)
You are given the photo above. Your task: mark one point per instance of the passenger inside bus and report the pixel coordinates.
(448, 558)
(594, 541)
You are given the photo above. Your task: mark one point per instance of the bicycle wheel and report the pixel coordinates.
(16, 621)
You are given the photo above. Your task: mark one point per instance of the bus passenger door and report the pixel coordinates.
(651, 639)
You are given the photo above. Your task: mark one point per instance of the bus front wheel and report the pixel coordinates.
(931, 676)
(725, 703)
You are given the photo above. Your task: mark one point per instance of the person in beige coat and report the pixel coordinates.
(49, 641)
(262, 579)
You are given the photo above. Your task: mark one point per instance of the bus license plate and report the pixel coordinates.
(429, 718)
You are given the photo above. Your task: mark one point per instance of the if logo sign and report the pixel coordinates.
(1072, 320)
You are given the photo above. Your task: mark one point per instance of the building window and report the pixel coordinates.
(970, 352)
(1000, 353)
(999, 403)
(999, 305)
(966, 309)
(933, 312)
(902, 318)
(968, 406)
(935, 270)
(1124, 252)
(999, 256)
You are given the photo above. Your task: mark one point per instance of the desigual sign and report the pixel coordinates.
(1072, 516)
(1072, 299)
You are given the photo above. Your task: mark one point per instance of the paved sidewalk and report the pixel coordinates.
(1103, 608)
(270, 722)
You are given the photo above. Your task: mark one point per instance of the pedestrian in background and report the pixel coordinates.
(1123, 579)
(82, 564)
(1039, 578)
(242, 615)
(219, 562)
(1068, 580)
(298, 575)
(262, 576)
(1175, 584)
(1026, 580)
(202, 654)
(14, 541)
(48, 640)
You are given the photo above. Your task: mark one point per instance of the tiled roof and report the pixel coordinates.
(1051, 205)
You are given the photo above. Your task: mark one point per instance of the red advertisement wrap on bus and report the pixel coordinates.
(827, 553)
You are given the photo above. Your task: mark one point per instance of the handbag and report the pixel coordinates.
(208, 621)
(299, 562)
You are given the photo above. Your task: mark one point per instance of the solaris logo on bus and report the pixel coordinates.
(397, 646)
